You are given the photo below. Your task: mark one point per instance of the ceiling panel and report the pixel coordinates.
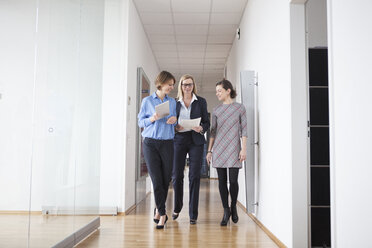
(214, 66)
(156, 18)
(225, 18)
(191, 18)
(191, 36)
(191, 54)
(191, 39)
(185, 61)
(228, 6)
(192, 29)
(220, 39)
(167, 60)
(191, 47)
(162, 38)
(159, 47)
(153, 5)
(166, 54)
(222, 29)
(218, 48)
(191, 5)
(216, 54)
(215, 60)
(159, 29)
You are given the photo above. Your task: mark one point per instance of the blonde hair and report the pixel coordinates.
(163, 78)
(184, 77)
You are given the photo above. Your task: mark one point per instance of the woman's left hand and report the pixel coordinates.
(172, 120)
(198, 129)
(242, 155)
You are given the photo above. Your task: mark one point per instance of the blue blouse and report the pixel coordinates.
(159, 129)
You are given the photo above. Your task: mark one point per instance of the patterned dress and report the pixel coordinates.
(229, 123)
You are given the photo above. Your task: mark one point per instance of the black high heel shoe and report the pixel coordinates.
(162, 226)
(234, 214)
(175, 215)
(226, 216)
(155, 220)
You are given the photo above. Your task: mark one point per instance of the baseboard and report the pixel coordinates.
(270, 234)
(61, 210)
(81, 234)
(128, 211)
(5, 212)
(242, 206)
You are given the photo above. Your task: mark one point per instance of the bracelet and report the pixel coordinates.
(209, 151)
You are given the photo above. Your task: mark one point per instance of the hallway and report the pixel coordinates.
(138, 230)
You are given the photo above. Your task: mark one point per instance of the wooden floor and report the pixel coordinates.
(138, 229)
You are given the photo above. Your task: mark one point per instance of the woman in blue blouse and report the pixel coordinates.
(158, 137)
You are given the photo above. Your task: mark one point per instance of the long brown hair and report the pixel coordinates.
(226, 84)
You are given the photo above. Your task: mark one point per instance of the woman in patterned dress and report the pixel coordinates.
(227, 146)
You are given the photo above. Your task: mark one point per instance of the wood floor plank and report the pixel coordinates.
(137, 229)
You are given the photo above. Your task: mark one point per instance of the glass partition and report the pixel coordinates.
(50, 120)
(68, 108)
(17, 45)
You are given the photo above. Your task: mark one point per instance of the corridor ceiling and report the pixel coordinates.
(192, 36)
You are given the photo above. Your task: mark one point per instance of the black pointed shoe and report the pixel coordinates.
(226, 216)
(162, 226)
(175, 215)
(155, 220)
(234, 214)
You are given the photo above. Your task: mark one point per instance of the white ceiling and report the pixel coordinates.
(191, 36)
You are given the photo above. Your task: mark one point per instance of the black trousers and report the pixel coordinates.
(222, 185)
(183, 144)
(159, 158)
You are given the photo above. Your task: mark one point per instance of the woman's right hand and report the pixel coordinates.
(209, 157)
(154, 117)
(179, 127)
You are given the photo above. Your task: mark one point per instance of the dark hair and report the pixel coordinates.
(227, 85)
(163, 78)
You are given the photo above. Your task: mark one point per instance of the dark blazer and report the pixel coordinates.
(198, 109)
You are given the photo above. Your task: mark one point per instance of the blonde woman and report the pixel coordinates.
(189, 141)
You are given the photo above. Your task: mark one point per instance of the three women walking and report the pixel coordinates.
(166, 144)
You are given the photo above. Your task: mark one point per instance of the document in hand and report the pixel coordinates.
(188, 124)
(162, 109)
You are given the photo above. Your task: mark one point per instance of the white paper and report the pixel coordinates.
(162, 109)
(188, 124)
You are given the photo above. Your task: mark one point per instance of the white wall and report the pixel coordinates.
(114, 92)
(256, 50)
(350, 53)
(139, 55)
(123, 53)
